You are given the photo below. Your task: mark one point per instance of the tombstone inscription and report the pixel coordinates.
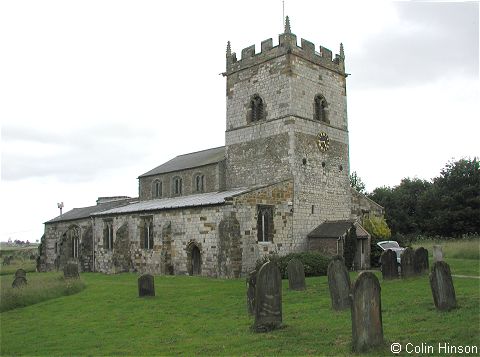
(296, 275)
(339, 284)
(268, 298)
(389, 263)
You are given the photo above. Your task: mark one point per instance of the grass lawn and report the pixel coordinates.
(202, 316)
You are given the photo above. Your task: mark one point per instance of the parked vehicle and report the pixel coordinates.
(392, 245)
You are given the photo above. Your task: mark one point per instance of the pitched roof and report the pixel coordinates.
(336, 229)
(85, 212)
(203, 199)
(330, 229)
(188, 161)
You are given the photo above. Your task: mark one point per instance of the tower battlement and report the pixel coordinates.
(287, 44)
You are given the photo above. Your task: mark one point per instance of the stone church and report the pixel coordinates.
(279, 185)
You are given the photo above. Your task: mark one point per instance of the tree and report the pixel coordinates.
(401, 204)
(356, 182)
(451, 207)
(350, 247)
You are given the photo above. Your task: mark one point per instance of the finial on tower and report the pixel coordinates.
(229, 49)
(342, 53)
(287, 25)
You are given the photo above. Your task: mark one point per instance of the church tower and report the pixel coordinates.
(287, 119)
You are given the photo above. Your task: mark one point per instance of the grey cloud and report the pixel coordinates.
(78, 155)
(434, 40)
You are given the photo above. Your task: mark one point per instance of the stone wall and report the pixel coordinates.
(362, 206)
(213, 181)
(58, 245)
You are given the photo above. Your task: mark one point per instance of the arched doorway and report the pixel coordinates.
(194, 259)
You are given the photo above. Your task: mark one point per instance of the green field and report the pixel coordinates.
(202, 316)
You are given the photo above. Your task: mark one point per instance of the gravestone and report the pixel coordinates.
(146, 285)
(251, 282)
(70, 271)
(367, 328)
(437, 253)
(339, 284)
(296, 275)
(268, 298)
(443, 290)
(420, 261)
(19, 281)
(20, 272)
(389, 263)
(406, 261)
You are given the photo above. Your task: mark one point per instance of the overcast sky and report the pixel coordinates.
(95, 93)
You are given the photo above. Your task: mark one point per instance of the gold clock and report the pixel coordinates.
(323, 142)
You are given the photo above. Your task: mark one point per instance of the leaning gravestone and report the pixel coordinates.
(251, 282)
(406, 261)
(420, 261)
(367, 328)
(437, 253)
(296, 275)
(339, 284)
(20, 272)
(268, 298)
(146, 285)
(70, 271)
(442, 287)
(389, 263)
(19, 282)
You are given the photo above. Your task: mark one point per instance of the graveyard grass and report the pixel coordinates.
(203, 316)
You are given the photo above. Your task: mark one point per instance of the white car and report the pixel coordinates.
(392, 245)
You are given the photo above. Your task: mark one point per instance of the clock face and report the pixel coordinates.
(323, 142)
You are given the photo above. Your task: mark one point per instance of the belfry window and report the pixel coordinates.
(320, 109)
(200, 183)
(265, 223)
(108, 235)
(146, 232)
(177, 185)
(256, 108)
(157, 189)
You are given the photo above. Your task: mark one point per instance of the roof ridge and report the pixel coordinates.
(195, 152)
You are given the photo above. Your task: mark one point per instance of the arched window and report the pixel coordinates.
(157, 189)
(177, 185)
(74, 235)
(108, 235)
(146, 239)
(320, 109)
(264, 223)
(257, 111)
(199, 183)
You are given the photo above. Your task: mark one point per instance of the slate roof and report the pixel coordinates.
(203, 199)
(85, 212)
(188, 161)
(336, 229)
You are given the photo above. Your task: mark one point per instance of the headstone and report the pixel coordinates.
(296, 275)
(20, 272)
(420, 261)
(146, 285)
(406, 261)
(339, 284)
(268, 298)
(251, 282)
(389, 263)
(367, 328)
(442, 287)
(437, 253)
(70, 271)
(19, 282)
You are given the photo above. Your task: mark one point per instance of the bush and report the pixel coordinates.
(314, 264)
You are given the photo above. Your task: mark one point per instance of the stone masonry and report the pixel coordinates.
(262, 193)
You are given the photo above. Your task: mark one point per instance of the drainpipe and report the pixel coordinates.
(93, 245)
(338, 239)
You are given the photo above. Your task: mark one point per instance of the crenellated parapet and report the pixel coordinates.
(287, 44)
